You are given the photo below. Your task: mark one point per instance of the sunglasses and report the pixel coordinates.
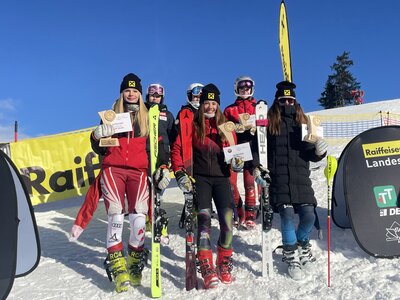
(196, 91)
(155, 89)
(245, 84)
(291, 101)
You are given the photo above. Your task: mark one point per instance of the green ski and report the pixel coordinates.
(156, 228)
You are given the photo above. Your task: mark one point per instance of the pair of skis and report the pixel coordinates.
(159, 221)
(266, 210)
(188, 218)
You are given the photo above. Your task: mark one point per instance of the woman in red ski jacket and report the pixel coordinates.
(244, 103)
(124, 176)
(211, 175)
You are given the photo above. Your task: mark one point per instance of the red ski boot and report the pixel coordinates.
(224, 265)
(251, 214)
(207, 269)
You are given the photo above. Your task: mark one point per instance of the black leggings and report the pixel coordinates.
(219, 189)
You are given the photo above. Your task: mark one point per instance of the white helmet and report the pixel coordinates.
(194, 89)
(244, 81)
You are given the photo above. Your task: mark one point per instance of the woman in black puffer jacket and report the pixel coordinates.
(289, 175)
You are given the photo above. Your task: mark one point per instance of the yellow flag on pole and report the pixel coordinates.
(284, 44)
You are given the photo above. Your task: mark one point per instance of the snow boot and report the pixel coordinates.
(250, 215)
(116, 271)
(305, 256)
(136, 262)
(224, 265)
(205, 262)
(294, 267)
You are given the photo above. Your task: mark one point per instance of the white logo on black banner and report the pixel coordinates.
(392, 233)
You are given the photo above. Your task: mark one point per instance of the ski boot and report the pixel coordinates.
(116, 271)
(294, 267)
(205, 263)
(224, 265)
(136, 262)
(250, 215)
(305, 256)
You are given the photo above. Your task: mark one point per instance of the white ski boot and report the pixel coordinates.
(305, 256)
(294, 267)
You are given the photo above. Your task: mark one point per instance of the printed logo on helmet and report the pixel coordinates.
(132, 84)
(286, 92)
(211, 96)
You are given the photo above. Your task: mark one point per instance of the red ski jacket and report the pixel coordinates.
(241, 106)
(131, 152)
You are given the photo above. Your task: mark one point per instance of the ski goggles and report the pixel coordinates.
(196, 91)
(245, 84)
(155, 89)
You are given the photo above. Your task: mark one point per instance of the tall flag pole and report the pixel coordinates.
(16, 131)
(284, 44)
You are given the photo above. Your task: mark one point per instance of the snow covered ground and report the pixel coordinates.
(74, 270)
(392, 106)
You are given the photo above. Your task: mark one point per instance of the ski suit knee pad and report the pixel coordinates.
(114, 230)
(138, 229)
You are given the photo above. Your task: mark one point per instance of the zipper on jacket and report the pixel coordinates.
(288, 153)
(209, 149)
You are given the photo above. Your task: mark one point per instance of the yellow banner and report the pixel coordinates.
(284, 45)
(56, 167)
(381, 149)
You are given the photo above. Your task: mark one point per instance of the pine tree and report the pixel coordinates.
(339, 85)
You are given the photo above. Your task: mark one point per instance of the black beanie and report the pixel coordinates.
(131, 81)
(285, 89)
(210, 92)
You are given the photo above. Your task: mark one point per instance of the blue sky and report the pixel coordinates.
(62, 61)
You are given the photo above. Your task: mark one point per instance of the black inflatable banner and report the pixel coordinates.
(371, 184)
(20, 253)
(339, 210)
(8, 228)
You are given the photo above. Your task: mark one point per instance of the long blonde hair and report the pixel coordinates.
(274, 117)
(199, 121)
(141, 117)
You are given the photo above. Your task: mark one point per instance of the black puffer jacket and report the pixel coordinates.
(289, 165)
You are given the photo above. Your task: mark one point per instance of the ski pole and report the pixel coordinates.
(329, 172)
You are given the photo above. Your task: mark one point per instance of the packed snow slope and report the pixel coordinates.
(74, 270)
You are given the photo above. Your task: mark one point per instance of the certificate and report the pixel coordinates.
(122, 122)
(242, 151)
